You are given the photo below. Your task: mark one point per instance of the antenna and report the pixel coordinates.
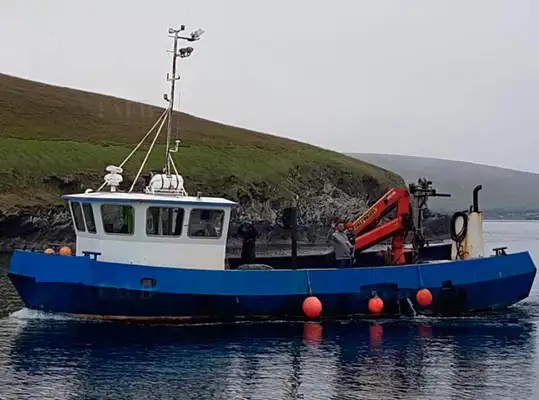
(181, 53)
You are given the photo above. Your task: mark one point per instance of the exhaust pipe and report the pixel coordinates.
(476, 197)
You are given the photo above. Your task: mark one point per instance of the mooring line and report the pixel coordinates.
(308, 283)
(420, 277)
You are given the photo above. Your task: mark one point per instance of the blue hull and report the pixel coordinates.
(79, 285)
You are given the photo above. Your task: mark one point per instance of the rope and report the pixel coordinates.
(138, 145)
(147, 155)
(308, 283)
(173, 165)
(420, 277)
(175, 170)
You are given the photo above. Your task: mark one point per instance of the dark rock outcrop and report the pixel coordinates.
(321, 201)
(35, 227)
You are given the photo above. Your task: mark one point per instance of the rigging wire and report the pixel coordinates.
(137, 146)
(147, 155)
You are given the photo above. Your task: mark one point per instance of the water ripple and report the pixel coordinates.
(485, 356)
(422, 358)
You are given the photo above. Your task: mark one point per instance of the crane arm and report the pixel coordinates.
(378, 234)
(367, 235)
(378, 210)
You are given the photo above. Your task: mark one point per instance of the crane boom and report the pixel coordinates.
(368, 234)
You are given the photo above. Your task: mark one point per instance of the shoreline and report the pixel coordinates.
(284, 249)
(36, 230)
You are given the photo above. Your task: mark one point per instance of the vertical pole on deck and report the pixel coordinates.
(294, 228)
(171, 101)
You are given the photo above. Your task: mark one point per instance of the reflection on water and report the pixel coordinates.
(425, 358)
(490, 356)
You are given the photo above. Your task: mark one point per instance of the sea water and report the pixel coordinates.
(483, 357)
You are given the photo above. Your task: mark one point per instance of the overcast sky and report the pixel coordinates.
(447, 78)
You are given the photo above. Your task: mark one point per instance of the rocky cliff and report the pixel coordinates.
(38, 226)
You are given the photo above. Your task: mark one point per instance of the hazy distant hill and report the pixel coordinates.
(504, 190)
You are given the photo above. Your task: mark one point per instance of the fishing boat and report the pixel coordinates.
(159, 254)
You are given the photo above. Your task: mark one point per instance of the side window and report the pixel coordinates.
(164, 221)
(118, 219)
(89, 217)
(206, 223)
(77, 216)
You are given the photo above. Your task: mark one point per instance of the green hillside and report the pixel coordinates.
(55, 139)
(504, 190)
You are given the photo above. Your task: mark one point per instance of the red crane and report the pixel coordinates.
(368, 234)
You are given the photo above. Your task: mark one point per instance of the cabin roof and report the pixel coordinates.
(119, 197)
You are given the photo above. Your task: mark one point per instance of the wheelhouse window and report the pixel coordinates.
(164, 221)
(206, 223)
(77, 216)
(89, 217)
(118, 219)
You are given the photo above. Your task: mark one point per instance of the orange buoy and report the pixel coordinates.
(312, 307)
(423, 297)
(65, 251)
(49, 251)
(376, 305)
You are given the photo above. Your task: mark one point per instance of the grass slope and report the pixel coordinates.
(48, 130)
(504, 190)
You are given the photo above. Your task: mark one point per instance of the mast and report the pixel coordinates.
(182, 53)
(171, 100)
